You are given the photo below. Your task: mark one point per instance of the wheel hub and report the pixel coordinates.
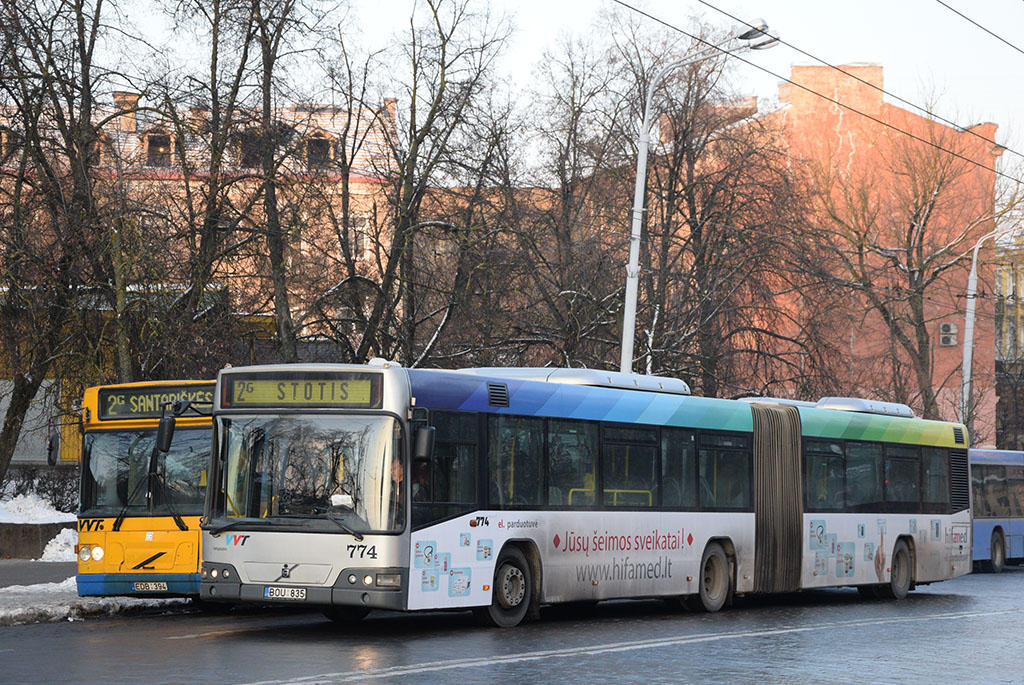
(511, 587)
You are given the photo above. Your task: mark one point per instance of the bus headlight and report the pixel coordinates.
(84, 553)
(213, 573)
(97, 553)
(367, 579)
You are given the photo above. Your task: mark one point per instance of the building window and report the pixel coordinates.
(318, 152)
(158, 151)
(11, 145)
(250, 150)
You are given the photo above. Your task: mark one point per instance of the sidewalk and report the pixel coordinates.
(42, 591)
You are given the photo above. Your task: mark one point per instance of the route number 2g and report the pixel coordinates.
(364, 551)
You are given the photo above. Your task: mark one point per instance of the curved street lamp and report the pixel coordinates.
(965, 370)
(755, 37)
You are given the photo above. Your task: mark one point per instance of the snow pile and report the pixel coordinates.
(31, 509)
(60, 601)
(61, 547)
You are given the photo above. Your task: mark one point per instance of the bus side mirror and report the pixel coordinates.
(424, 446)
(165, 433)
(53, 449)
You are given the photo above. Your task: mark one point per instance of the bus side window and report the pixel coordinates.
(515, 458)
(978, 490)
(678, 468)
(994, 497)
(452, 477)
(724, 471)
(863, 476)
(902, 477)
(572, 463)
(824, 487)
(935, 476)
(1015, 485)
(629, 466)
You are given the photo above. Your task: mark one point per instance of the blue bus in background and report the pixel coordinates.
(997, 491)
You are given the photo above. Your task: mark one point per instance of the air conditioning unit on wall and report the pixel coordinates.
(947, 334)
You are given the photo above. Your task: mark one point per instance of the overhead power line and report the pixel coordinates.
(820, 95)
(919, 108)
(964, 16)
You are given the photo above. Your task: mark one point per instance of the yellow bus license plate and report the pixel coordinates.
(284, 592)
(157, 586)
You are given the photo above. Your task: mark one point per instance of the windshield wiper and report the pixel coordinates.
(341, 524)
(322, 513)
(128, 502)
(227, 526)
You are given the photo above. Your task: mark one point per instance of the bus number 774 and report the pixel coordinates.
(365, 551)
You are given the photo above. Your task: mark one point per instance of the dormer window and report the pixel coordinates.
(318, 151)
(158, 150)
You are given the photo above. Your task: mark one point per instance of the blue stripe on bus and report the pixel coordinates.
(438, 390)
(102, 584)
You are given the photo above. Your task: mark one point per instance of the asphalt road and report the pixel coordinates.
(25, 572)
(965, 630)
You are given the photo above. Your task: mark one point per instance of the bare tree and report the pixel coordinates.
(51, 223)
(902, 245)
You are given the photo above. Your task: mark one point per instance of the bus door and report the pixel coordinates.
(778, 525)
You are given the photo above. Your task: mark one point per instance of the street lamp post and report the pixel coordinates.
(755, 37)
(965, 370)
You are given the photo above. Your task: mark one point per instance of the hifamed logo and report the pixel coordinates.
(90, 525)
(237, 540)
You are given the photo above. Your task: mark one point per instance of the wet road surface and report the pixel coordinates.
(965, 630)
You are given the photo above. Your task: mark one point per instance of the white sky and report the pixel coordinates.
(929, 53)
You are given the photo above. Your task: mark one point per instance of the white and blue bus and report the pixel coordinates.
(997, 491)
(351, 487)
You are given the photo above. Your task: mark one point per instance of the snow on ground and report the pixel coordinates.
(60, 601)
(31, 509)
(61, 547)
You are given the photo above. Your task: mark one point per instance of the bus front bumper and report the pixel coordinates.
(343, 593)
(138, 584)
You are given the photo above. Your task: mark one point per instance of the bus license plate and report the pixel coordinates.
(150, 587)
(284, 592)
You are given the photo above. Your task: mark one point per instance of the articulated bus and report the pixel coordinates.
(138, 520)
(356, 487)
(997, 490)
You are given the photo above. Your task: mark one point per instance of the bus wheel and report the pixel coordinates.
(510, 593)
(901, 577)
(713, 581)
(346, 614)
(997, 558)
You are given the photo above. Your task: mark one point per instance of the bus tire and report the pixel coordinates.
(901, 576)
(997, 553)
(511, 591)
(346, 614)
(714, 581)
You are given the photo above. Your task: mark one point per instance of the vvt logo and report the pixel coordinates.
(236, 540)
(90, 525)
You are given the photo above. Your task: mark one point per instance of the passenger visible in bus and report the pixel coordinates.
(421, 481)
(397, 493)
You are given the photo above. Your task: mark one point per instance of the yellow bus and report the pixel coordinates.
(139, 509)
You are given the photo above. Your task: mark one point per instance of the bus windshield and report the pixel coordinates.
(114, 466)
(313, 467)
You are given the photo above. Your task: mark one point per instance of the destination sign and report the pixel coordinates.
(146, 402)
(352, 391)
